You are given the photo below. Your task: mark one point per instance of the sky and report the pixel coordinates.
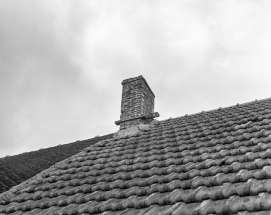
(62, 62)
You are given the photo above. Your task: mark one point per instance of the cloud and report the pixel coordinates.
(38, 76)
(62, 63)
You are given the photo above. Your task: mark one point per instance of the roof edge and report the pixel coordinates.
(223, 108)
(7, 195)
(35, 179)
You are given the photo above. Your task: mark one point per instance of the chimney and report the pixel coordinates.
(137, 104)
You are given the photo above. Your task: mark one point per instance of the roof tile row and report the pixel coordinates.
(18, 168)
(216, 162)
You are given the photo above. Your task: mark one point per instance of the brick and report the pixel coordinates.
(137, 102)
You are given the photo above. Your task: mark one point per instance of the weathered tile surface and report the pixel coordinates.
(18, 168)
(216, 162)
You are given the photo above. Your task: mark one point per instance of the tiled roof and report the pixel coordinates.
(18, 168)
(216, 162)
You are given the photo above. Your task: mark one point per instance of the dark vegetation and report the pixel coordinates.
(18, 168)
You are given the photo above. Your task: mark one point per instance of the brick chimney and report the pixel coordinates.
(137, 104)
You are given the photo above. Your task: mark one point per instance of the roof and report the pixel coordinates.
(216, 162)
(18, 168)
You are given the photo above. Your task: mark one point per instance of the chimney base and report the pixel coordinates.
(135, 129)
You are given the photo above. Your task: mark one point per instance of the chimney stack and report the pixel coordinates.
(137, 104)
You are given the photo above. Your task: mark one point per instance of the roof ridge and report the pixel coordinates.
(210, 111)
(5, 196)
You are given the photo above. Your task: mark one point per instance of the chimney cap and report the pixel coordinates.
(125, 81)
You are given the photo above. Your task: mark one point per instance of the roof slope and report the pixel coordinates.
(18, 168)
(216, 162)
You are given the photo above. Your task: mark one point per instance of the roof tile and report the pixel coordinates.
(19, 168)
(216, 162)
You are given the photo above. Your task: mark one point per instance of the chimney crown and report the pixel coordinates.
(137, 104)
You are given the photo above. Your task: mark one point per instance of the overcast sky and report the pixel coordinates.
(62, 62)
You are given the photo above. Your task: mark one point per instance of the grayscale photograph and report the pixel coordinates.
(139, 107)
